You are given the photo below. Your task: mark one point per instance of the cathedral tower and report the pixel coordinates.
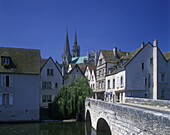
(76, 48)
(66, 56)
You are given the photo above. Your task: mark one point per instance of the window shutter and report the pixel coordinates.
(10, 81)
(159, 77)
(0, 98)
(53, 97)
(3, 80)
(53, 85)
(10, 99)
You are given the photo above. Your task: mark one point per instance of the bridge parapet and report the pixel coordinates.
(151, 102)
(126, 119)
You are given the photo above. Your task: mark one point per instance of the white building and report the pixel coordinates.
(107, 59)
(20, 84)
(90, 73)
(51, 80)
(143, 73)
(75, 72)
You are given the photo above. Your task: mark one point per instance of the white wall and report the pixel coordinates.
(75, 72)
(55, 78)
(117, 78)
(26, 98)
(162, 68)
(135, 76)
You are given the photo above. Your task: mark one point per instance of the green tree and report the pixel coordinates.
(70, 98)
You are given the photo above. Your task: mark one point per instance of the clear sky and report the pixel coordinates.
(100, 24)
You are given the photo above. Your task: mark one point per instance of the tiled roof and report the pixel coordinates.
(91, 67)
(109, 57)
(167, 55)
(43, 61)
(81, 66)
(24, 61)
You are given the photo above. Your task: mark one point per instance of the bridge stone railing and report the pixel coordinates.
(128, 120)
(151, 102)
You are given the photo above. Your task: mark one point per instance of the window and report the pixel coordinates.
(146, 82)
(151, 60)
(113, 83)
(108, 84)
(142, 66)
(46, 85)
(162, 77)
(162, 94)
(99, 84)
(103, 72)
(50, 72)
(92, 77)
(6, 60)
(102, 84)
(56, 85)
(100, 61)
(99, 73)
(7, 81)
(121, 81)
(46, 98)
(5, 99)
(93, 86)
(146, 94)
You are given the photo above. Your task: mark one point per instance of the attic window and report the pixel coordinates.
(5, 61)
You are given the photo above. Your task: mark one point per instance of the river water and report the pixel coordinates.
(57, 128)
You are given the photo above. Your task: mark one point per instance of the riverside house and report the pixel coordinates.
(144, 73)
(51, 80)
(20, 84)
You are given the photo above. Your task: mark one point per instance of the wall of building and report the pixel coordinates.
(162, 85)
(26, 98)
(73, 74)
(55, 78)
(135, 76)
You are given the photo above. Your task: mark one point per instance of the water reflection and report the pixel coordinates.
(74, 128)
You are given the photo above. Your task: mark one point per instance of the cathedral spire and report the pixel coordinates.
(66, 56)
(67, 47)
(75, 38)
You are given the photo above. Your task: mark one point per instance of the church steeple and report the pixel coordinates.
(67, 47)
(76, 48)
(75, 38)
(66, 56)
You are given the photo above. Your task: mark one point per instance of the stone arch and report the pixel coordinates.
(103, 126)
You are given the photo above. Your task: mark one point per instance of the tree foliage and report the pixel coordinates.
(70, 99)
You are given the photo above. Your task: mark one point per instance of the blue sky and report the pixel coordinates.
(100, 24)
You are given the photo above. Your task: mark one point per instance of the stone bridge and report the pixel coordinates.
(122, 119)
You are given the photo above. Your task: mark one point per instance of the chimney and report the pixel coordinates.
(155, 42)
(115, 51)
(142, 44)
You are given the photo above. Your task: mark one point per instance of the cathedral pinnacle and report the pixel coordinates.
(75, 39)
